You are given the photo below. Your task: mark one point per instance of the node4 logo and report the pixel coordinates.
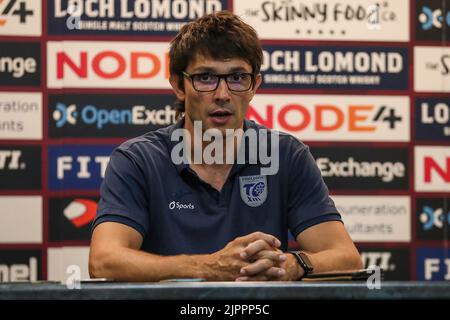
(334, 117)
(80, 212)
(19, 17)
(15, 8)
(86, 64)
(253, 190)
(430, 18)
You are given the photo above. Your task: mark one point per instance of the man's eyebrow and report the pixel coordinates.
(204, 70)
(213, 70)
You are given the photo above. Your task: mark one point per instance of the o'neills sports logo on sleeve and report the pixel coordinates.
(103, 64)
(363, 168)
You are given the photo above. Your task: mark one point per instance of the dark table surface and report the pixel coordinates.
(227, 291)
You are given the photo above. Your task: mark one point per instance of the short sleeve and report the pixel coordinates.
(123, 192)
(308, 197)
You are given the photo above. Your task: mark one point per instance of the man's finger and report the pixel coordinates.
(275, 256)
(256, 267)
(271, 240)
(273, 274)
(253, 248)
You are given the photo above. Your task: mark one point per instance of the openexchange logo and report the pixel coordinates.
(100, 117)
(431, 218)
(433, 18)
(387, 171)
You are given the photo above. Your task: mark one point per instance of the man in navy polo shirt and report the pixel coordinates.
(163, 215)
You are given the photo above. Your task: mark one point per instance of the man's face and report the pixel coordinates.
(221, 108)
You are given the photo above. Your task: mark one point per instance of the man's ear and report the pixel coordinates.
(174, 82)
(258, 80)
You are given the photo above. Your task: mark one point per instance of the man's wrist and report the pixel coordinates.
(303, 262)
(294, 270)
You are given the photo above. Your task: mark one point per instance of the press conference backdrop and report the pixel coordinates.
(365, 83)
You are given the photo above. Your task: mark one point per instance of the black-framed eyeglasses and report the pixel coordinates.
(207, 82)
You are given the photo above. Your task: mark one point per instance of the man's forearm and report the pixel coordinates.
(335, 259)
(124, 264)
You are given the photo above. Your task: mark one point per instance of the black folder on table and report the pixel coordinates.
(345, 275)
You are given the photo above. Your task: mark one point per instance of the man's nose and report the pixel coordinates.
(222, 92)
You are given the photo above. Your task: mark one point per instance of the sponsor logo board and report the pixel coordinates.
(431, 69)
(362, 20)
(432, 18)
(66, 263)
(20, 18)
(393, 261)
(327, 67)
(334, 117)
(20, 167)
(433, 264)
(20, 219)
(20, 64)
(126, 17)
(20, 115)
(433, 119)
(70, 218)
(376, 218)
(432, 169)
(363, 168)
(107, 64)
(20, 265)
(88, 115)
(77, 166)
(433, 218)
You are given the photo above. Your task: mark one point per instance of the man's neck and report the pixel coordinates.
(229, 146)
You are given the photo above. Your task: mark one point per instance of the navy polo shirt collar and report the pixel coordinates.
(236, 167)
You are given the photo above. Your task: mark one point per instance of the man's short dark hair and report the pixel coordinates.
(218, 35)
